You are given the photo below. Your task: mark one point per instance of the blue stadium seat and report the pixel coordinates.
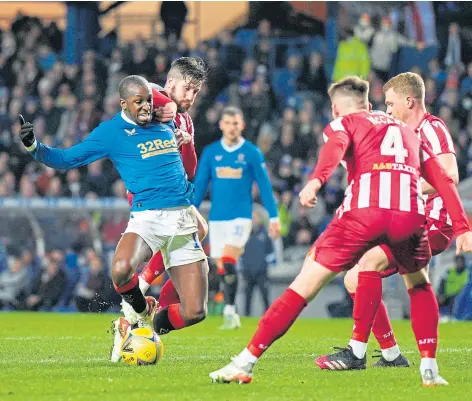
(409, 57)
(284, 83)
(246, 38)
(316, 44)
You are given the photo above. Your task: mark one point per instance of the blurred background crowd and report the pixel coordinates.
(276, 69)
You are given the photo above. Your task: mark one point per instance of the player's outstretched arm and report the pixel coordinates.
(203, 177)
(265, 190)
(435, 174)
(85, 152)
(331, 154)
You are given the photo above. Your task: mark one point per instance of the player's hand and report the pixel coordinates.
(26, 132)
(274, 229)
(182, 137)
(464, 243)
(166, 113)
(308, 194)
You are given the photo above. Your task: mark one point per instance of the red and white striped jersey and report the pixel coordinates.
(184, 122)
(434, 132)
(383, 162)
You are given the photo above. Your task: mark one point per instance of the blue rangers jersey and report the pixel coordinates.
(232, 172)
(146, 157)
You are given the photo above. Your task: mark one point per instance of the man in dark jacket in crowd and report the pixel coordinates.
(258, 254)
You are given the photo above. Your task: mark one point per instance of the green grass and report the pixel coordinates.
(65, 357)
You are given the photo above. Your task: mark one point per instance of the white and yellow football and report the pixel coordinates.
(141, 346)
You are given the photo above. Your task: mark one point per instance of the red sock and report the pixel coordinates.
(424, 312)
(382, 328)
(168, 295)
(366, 304)
(129, 285)
(276, 321)
(175, 317)
(153, 269)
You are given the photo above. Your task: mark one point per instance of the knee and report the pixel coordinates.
(121, 271)
(350, 281)
(230, 276)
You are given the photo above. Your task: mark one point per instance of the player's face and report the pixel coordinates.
(183, 92)
(397, 105)
(138, 106)
(232, 127)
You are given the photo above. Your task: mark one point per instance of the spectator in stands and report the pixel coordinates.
(13, 282)
(313, 77)
(257, 256)
(385, 44)
(452, 284)
(256, 109)
(49, 285)
(453, 50)
(173, 15)
(364, 30)
(93, 288)
(352, 57)
(436, 73)
(262, 52)
(466, 83)
(421, 22)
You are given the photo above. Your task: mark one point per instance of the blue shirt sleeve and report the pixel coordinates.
(203, 177)
(263, 182)
(89, 150)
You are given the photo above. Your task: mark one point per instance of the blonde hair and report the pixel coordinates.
(408, 84)
(353, 87)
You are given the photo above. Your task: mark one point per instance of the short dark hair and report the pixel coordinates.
(129, 83)
(351, 86)
(232, 111)
(190, 67)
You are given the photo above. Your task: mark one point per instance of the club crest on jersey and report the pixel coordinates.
(130, 132)
(241, 159)
(218, 158)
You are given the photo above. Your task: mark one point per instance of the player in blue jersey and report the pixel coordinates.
(232, 164)
(162, 217)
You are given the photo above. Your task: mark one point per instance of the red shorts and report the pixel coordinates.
(440, 237)
(348, 238)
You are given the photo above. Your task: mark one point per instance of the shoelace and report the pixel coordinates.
(342, 349)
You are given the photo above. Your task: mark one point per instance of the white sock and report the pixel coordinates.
(244, 358)
(229, 310)
(392, 353)
(143, 285)
(429, 363)
(358, 348)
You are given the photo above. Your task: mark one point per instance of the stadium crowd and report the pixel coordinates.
(66, 101)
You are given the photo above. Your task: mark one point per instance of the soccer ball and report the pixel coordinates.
(141, 347)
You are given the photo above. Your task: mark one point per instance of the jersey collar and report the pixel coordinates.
(234, 147)
(422, 122)
(124, 117)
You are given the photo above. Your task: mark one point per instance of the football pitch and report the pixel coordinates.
(65, 357)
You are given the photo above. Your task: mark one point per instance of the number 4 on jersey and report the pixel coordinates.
(392, 145)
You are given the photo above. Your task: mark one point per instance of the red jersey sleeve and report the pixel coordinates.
(332, 152)
(159, 99)
(437, 136)
(434, 173)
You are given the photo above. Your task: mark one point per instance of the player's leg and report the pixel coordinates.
(156, 267)
(382, 328)
(130, 252)
(187, 267)
(191, 283)
(237, 233)
(276, 321)
(424, 312)
(229, 261)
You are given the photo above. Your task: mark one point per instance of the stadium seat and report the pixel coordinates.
(284, 83)
(246, 38)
